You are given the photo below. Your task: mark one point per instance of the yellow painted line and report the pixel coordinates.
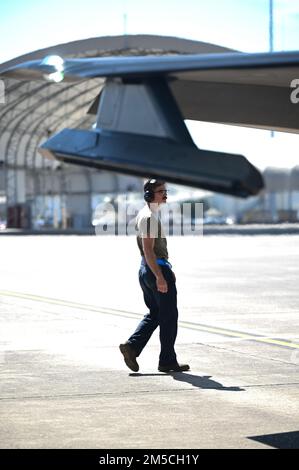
(236, 334)
(124, 313)
(217, 330)
(67, 303)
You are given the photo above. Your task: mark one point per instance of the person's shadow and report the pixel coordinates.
(198, 381)
(203, 382)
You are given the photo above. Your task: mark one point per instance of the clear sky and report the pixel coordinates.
(27, 25)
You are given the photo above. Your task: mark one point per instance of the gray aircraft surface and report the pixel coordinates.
(140, 112)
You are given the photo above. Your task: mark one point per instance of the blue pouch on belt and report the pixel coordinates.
(163, 262)
(160, 261)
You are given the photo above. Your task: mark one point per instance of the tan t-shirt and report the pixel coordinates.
(149, 224)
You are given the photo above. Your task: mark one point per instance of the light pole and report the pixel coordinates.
(271, 29)
(271, 34)
(125, 25)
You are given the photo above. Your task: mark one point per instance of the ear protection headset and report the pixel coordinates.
(149, 194)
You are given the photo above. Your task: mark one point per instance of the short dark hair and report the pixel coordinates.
(152, 184)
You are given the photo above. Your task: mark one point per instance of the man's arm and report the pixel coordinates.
(148, 249)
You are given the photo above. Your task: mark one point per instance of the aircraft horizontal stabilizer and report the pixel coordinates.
(149, 156)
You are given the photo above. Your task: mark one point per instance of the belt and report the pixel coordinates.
(160, 261)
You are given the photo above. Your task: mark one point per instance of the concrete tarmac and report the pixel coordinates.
(67, 302)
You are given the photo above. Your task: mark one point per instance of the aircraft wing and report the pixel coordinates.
(231, 88)
(172, 64)
(149, 97)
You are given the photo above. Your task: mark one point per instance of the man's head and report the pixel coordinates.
(155, 191)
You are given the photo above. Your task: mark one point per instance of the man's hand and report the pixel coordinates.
(161, 284)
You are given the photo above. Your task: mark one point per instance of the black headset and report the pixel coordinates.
(149, 194)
